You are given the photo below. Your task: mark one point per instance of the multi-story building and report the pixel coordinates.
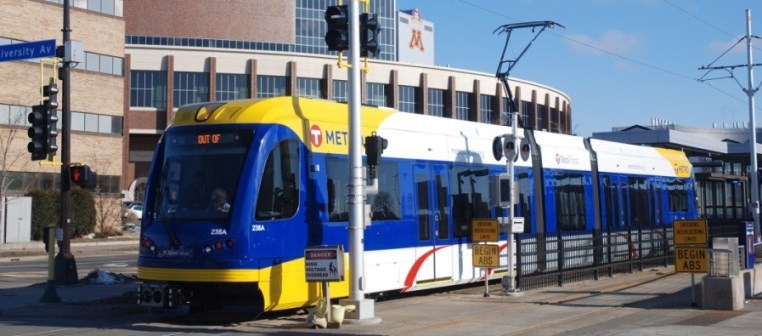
(262, 48)
(97, 90)
(145, 58)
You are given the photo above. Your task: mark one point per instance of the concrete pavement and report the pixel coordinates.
(653, 302)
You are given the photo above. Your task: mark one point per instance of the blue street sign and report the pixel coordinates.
(35, 49)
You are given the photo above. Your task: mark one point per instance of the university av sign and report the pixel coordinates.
(27, 50)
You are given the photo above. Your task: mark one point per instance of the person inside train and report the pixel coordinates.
(219, 201)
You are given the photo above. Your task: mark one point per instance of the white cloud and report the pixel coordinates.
(722, 46)
(610, 42)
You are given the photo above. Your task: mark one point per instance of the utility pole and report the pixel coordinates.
(66, 266)
(510, 143)
(750, 90)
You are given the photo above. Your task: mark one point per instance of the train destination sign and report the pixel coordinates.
(486, 255)
(324, 263)
(690, 259)
(690, 231)
(484, 230)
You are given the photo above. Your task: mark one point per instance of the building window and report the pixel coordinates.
(542, 117)
(271, 86)
(407, 102)
(309, 87)
(148, 89)
(462, 105)
(340, 91)
(485, 109)
(376, 94)
(191, 87)
(310, 27)
(436, 102)
(232, 86)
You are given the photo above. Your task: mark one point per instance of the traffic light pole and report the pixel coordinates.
(364, 307)
(66, 266)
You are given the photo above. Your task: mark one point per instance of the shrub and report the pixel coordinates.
(46, 206)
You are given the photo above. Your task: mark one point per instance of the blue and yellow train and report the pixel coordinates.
(237, 190)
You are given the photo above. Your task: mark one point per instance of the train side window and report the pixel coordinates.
(677, 195)
(469, 189)
(386, 205)
(638, 189)
(338, 189)
(570, 200)
(279, 186)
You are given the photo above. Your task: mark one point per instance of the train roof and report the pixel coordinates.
(323, 127)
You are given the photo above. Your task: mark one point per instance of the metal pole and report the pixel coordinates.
(754, 171)
(356, 198)
(511, 248)
(66, 266)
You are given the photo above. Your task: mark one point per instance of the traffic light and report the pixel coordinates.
(50, 93)
(82, 176)
(374, 147)
(369, 32)
(38, 133)
(337, 33)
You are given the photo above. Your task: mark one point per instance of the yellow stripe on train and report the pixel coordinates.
(283, 286)
(322, 125)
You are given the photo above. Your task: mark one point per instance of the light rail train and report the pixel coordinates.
(237, 190)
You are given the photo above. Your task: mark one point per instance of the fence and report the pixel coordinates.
(552, 260)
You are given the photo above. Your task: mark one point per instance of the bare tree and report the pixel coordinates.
(11, 159)
(107, 205)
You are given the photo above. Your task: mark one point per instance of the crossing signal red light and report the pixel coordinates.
(83, 176)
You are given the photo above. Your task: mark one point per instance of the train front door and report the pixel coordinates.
(434, 257)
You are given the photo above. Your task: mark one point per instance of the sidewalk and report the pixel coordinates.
(656, 301)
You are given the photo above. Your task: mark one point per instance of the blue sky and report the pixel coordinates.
(622, 62)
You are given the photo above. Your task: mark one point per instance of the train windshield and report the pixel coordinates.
(199, 173)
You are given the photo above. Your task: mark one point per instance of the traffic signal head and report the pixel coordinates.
(50, 101)
(38, 133)
(509, 148)
(337, 33)
(82, 176)
(374, 147)
(369, 33)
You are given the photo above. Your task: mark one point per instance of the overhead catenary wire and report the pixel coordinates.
(622, 57)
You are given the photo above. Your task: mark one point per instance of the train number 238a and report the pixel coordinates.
(257, 227)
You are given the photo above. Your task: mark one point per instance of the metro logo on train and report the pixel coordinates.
(281, 166)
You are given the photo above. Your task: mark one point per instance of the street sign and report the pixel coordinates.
(484, 230)
(35, 49)
(691, 259)
(690, 231)
(485, 255)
